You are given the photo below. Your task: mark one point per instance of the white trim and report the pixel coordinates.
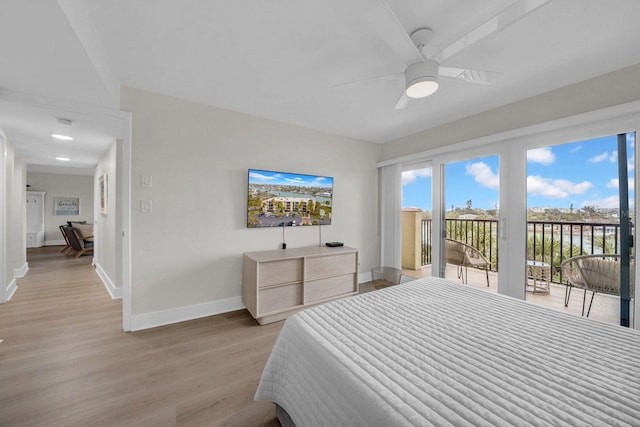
(124, 196)
(3, 225)
(635, 311)
(55, 243)
(175, 315)
(22, 271)
(114, 291)
(11, 289)
(581, 126)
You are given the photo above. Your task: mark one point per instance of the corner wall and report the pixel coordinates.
(187, 253)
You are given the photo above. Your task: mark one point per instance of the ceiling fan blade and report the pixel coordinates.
(368, 80)
(469, 75)
(502, 20)
(403, 102)
(389, 27)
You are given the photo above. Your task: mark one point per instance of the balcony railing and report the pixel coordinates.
(547, 241)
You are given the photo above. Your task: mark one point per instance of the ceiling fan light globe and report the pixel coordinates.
(421, 79)
(421, 89)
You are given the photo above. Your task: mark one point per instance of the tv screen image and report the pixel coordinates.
(283, 199)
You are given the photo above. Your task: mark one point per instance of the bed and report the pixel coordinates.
(434, 352)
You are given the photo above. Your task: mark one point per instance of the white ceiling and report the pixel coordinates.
(286, 60)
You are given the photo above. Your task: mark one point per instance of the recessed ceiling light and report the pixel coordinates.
(62, 137)
(63, 159)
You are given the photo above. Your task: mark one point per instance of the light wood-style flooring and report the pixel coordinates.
(65, 360)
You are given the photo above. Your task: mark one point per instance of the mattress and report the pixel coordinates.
(433, 353)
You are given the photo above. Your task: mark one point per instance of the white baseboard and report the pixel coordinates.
(22, 271)
(54, 243)
(175, 315)
(114, 291)
(11, 289)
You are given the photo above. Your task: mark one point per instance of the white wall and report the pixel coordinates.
(58, 185)
(13, 261)
(611, 89)
(17, 211)
(108, 239)
(187, 253)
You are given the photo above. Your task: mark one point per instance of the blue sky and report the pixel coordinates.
(284, 178)
(581, 173)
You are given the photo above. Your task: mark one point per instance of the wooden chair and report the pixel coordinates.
(595, 273)
(66, 239)
(79, 246)
(463, 256)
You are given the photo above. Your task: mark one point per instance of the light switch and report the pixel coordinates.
(147, 181)
(146, 206)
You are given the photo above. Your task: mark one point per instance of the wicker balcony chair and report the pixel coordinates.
(463, 256)
(595, 273)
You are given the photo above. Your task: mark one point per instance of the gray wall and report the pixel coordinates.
(188, 250)
(58, 185)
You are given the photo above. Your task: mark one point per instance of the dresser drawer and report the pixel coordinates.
(280, 271)
(332, 265)
(279, 297)
(330, 287)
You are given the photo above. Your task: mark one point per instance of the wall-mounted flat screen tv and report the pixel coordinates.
(283, 199)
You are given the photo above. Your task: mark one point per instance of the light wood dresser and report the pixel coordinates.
(276, 284)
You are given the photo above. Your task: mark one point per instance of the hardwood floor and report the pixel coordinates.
(65, 360)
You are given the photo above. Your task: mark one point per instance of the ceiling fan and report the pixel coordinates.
(422, 72)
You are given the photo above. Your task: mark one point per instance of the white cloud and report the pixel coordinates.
(606, 203)
(615, 183)
(483, 175)
(542, 155)
(409, 177)
(555, 188)
(613, 157)
(599, 158)
(261, 177)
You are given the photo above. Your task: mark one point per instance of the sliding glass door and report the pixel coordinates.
(470, 201)
(580, 257)
(417, 230)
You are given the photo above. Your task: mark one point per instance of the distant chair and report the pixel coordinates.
(463, 256)
(595, 273)
(66, 240)
(79, 246)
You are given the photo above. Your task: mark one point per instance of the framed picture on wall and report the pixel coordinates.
(66, 206)
(103, 183)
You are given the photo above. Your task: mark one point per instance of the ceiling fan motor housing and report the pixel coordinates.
(421, 78)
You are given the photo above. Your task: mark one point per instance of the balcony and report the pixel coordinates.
(549, 242)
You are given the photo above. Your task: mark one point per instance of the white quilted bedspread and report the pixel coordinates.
(433, 352)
